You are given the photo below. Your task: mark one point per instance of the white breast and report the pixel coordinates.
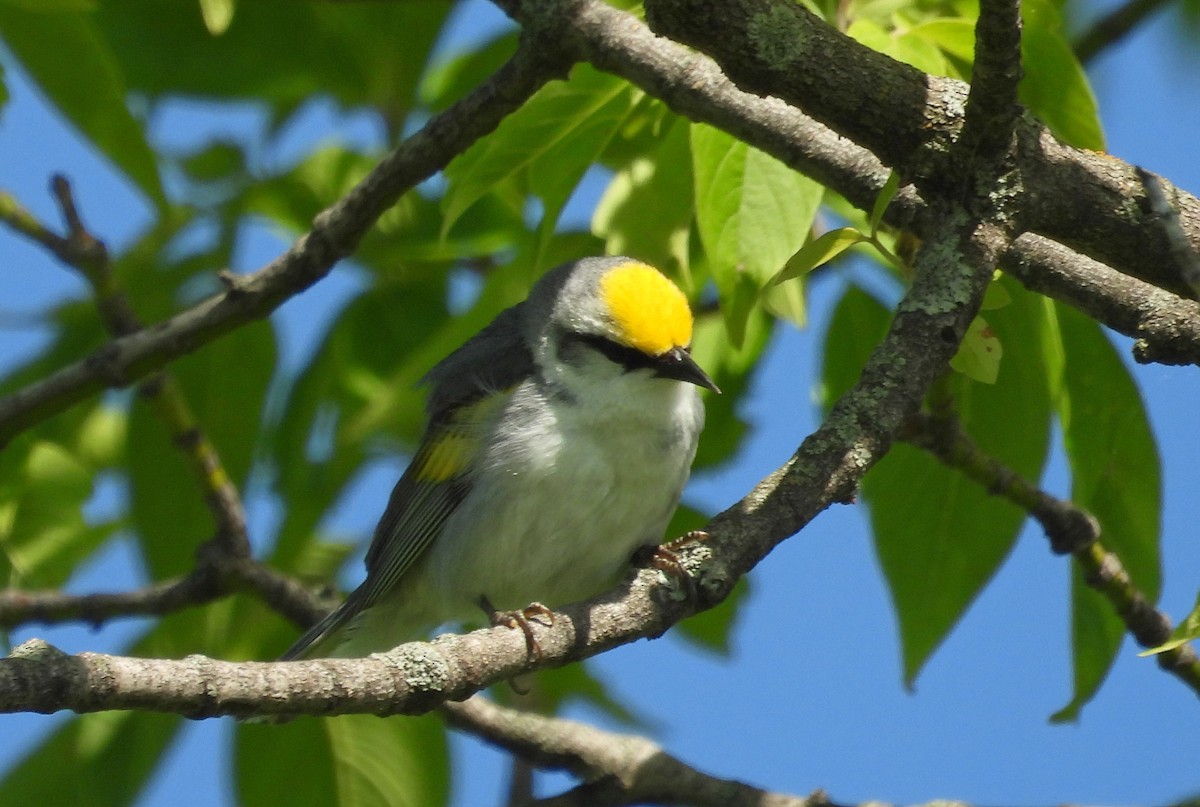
(565, 496)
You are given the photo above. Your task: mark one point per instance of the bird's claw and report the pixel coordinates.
(521, 618)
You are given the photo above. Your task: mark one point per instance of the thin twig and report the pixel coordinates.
(81, 250)
(1070, 529)
(626, 769)
(215, 576)
(992, 111)
(334, 234)
(19, 607)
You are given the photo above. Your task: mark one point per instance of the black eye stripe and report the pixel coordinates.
(627, 357)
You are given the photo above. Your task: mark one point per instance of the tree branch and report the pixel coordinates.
(693, 86)
(953, 268)
(992, 110)
(618, 768)
(224, 565)
(1087, 201)
(18, 607)
(334, 234)
(1167, 328)
(924, 335)
(79, 249)
(952, 273)
(216, 575)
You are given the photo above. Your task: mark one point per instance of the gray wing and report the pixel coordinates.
(494, 359)
(438, 478)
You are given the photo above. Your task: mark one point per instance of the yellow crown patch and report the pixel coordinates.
(650, 312)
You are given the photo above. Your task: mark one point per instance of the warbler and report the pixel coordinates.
(558, 443)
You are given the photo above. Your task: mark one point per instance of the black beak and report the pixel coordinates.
(679, 365)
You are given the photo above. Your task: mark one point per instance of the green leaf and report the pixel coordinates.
(556, 687)
(646, 210)
(979, 355)
(88, 88)
(324, 402)
(51, 5)
(819, 251)
(110, 756)
(858, 324)
(101, 440)
(225, 384)
(554, 175)
(1116, 476)
(753, 213)
(349, 761)
(996, 296)
(1055, 86)
(1187, 630)
(954, 35)
(901, 46)
(549, 122)
(786, 301)
(43, 535)
(216, 160)
(886, 194)
(279, 54)
(217, 15)
(732, 367)
(939, 536)
(451, 79)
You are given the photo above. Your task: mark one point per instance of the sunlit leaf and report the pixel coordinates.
(753, 214)
(217, 15)
(101, 441)
(1187, 630)
(110, 756)
(646, 210)
(549, 121)
(979, 355)
(43, 534)
(954, 35)
(819, 251)
(902, 46)
(886, 194)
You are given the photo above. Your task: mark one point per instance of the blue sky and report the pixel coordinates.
(811, 696)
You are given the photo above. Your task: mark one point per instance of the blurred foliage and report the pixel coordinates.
(721, 217)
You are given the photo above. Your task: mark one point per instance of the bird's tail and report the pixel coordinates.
(319, 635)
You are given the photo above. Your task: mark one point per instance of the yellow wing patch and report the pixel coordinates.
(448, 455)
(650, 312)
(448, 451)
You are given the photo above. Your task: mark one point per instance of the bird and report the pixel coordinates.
(557, 445)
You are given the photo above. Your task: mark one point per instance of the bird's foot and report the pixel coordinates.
(520, 618)
(665, 558)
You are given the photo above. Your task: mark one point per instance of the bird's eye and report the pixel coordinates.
(571, 344)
